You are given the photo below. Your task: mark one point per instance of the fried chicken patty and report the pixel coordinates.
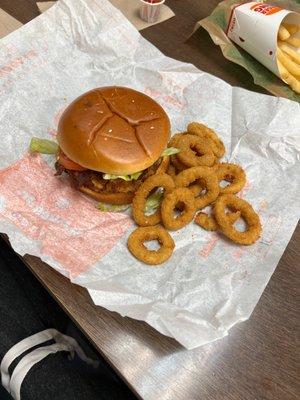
(94, 180)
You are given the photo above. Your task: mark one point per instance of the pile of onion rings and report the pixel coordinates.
(191, 180)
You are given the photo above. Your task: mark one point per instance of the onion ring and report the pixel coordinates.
(174, 139)
(186, 199)
(177, 164)
(203, 157)
(209, 223)
(196, 188)
(139, 200)
(171, 170)
(174, 160)
(209, 181)
(163, 166)
(234, 203)
(203, 131)
(153, 257)
(231, 173)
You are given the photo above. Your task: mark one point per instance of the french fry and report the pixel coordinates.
(289, 78)
(289, 64)
(292, 28)
(283, 33)
(293, 41)
(292, 53)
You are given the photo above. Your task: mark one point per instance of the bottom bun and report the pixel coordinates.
(109, 198)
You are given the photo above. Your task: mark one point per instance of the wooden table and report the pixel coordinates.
(258, 360)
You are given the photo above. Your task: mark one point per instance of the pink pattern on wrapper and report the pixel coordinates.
(162, 97)
(210, 245)
(67, 225)
(17, 62)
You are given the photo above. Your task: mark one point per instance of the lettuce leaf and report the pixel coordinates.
(43, 146)
(153, 201)
(131, 177)
(111, 207)
(169, 151)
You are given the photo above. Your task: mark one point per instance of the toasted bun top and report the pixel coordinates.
(114, 130)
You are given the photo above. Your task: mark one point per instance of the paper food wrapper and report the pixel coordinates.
(209, 284)
(253, 27)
